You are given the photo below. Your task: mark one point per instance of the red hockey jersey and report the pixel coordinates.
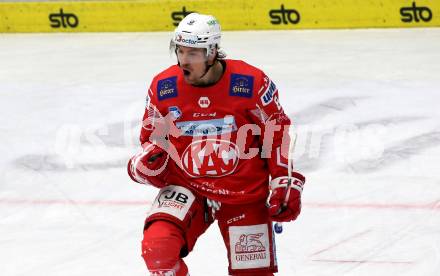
(225, 140)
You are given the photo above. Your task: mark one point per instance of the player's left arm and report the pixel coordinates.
(275, 141)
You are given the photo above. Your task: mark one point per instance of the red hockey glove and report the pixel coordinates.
(285, 200)
(148, 166)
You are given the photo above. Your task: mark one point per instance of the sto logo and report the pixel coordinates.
(210, 157)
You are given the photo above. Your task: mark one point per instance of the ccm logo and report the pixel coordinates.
(414, 13)
(210, 157)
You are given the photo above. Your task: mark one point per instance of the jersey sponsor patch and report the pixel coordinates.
(173, 200)
(268, 95)
(207, 127)
(249, 246)
(167, 88)
(175, 112)
(241, 85)
(204, 102)
(210, 157)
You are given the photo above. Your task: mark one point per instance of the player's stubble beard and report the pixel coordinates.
(203, 78)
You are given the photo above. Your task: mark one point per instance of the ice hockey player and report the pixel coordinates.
(215, 140)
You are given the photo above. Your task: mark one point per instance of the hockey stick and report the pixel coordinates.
(278, 227)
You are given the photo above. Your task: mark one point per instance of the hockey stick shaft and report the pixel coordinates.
(278, 227)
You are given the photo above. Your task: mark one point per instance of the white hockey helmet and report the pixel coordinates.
(198, 31)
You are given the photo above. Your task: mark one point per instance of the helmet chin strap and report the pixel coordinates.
(207, 68)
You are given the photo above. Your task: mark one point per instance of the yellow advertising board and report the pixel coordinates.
(162, 15)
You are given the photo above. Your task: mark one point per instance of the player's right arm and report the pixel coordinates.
(148, 165)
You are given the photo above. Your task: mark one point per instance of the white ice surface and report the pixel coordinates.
(367, 107)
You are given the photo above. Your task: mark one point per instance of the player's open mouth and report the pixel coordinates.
(186, 72)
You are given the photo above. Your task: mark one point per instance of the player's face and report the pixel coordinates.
(192, 62)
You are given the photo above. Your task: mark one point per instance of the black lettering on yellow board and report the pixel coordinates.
(177, 16)
(63, 20)
(415, 13)
(284, 16)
